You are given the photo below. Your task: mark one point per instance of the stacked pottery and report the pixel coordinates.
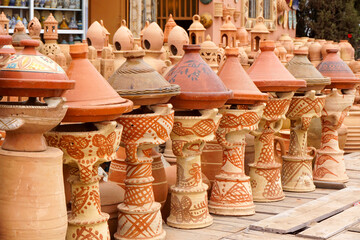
(176, 40)
(32, 198)
(231, 192)
(89, 139)
(329, 164)
(325, 46)
(270, 76)
(306, 104)
(144, 128)
(153, 39)
(123, 40)
(196, 120)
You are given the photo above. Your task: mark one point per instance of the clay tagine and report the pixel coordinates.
(170, 24)
(138, 81)
(335, 68)
(99, 102)
(201, 88)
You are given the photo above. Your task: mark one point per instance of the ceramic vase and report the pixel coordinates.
(33, 198)
(189, 201)
(139, 215)
(231, 193)
(297, 164)
(329, 165)
(265, 171)
(85, 147)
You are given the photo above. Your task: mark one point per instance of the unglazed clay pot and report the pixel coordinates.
(346, 51)
(243, 36)
(97, 36)
(177, 39)
(209, 52)
(123, 39)
(201, 88)
(327, 45)
(315, 53)
(19, 34)
(170, 24)
(153, 37)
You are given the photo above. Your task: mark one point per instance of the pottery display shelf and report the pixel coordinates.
(329, 164)
(231, 192)
(144, 128)
(297, 173)
(88, 139)
(196, 120)
(33, 198)
(270, 76)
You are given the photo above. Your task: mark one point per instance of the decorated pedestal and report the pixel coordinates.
(196, 121)
(306, 104)
(231, 193)
(329, 165)
(189, 201)
(32, 197)
(84, 151)
(139, 215)
(86, 145)
(270, 76)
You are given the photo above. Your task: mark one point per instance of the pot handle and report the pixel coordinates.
(279, 141)
(312, 152)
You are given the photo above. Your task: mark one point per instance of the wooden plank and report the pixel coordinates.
(314, 211)
(287, 202)
(232, 219)
(255, 235)
(198, 234)
(331, 185)
(258, 216)
(260, 208)
(309, 195)
(355, 228)
(333, 225)
(346, 236)
(351, 161)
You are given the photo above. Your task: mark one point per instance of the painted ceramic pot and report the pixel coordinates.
(334, 67)
(48, 80)
(93, 99)
(137, 81)
(211, 160)
(201, 88)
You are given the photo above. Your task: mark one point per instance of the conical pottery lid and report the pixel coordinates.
(200, 87)
(269, 74)
(93, 99)
(170, 24)
(301, 68)
(138, 81)
(19, 34)
(260, 26)
(235, 78)
(334, 67)
(5, 45)
(31, 74)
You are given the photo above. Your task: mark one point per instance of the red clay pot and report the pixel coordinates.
(200, 87)
(18, 77)
(334, 67)
(269, 74)
(93, 99)
(235, 78)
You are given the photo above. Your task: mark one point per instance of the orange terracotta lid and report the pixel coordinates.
(31, 74)
(269, 74)
(170, 24)
(5, 45)
(200, 87)
(235, 78)
(340, 73)
(93, 99)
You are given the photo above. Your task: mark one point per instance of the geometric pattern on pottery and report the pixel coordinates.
(32, 63)
(238, 194)
(84, 233)
(9, 123)
(265, 175)
(298, 173)
(186, 211)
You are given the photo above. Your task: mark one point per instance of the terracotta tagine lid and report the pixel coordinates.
(138, 81)
(31, 74)
(93, 99)
(269, 74)
(200, 87)
(301, 68)
(334, 67)
(235, 78)
(170, 24)
(19, 34)
(5, 41)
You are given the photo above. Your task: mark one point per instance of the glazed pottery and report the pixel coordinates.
(170, 24)
(99, 102)
(335, 68)
(329, 164)
(139, 215)
(200, 87)
(208, 53)
(228, 33)
(49, 78)
(231, 193)
(138, 81)
(85, 147)
(189, 201)
(196, 31)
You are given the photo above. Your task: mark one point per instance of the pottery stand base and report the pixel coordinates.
(32, 198)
